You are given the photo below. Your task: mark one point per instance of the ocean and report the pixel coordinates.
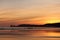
(51, 34)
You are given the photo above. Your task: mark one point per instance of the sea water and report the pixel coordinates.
(51, 34)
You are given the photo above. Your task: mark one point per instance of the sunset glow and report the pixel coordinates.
(29, 12)
(52, 20)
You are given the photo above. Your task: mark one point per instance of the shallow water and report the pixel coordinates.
(18, 37)
(30, 35)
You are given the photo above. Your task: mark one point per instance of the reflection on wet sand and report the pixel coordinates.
(44, 34)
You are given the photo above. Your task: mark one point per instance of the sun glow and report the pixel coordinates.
(52, 20)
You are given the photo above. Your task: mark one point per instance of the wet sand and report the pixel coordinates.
(30, 35)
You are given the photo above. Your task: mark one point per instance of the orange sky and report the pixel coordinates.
(29, 11)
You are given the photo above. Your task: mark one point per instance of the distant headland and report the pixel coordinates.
(35, 25)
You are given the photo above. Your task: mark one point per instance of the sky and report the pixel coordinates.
(14, 12)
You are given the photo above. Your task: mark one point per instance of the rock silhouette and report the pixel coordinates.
(34, 25)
